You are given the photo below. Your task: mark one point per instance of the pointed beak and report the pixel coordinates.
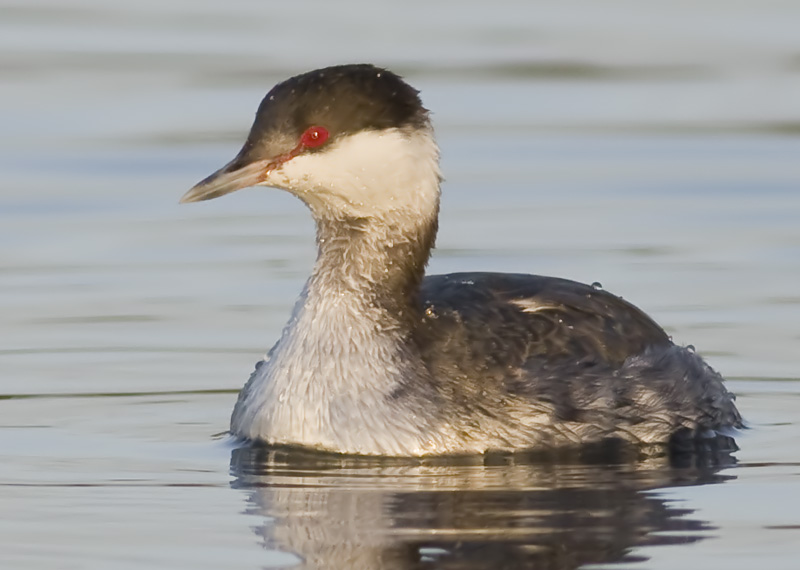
(232, 176)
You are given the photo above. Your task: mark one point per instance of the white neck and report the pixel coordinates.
(329, 381)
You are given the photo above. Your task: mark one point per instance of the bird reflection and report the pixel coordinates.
(500, 512)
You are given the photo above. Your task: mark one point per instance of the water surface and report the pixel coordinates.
(652, 148)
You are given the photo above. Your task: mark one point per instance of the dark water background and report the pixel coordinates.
(653, 147)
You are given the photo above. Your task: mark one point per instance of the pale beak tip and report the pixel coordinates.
(196, 193)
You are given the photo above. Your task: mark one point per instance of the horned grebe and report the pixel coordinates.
(378, 359)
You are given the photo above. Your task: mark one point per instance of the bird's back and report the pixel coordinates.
(583, 364)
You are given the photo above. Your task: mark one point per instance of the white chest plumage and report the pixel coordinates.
(329, 380)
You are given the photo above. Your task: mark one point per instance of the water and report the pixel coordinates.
(652, 148)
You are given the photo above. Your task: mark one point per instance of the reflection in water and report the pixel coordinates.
(338, 512)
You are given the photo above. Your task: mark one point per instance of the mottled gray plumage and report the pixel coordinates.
(592, 363)
(378, 359)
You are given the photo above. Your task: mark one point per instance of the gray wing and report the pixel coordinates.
(508, 319)
(589, 356)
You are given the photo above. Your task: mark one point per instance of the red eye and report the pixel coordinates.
(314, 137)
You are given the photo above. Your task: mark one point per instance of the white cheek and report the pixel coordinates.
(367, 173)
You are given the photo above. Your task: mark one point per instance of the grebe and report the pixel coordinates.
(379, 359)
